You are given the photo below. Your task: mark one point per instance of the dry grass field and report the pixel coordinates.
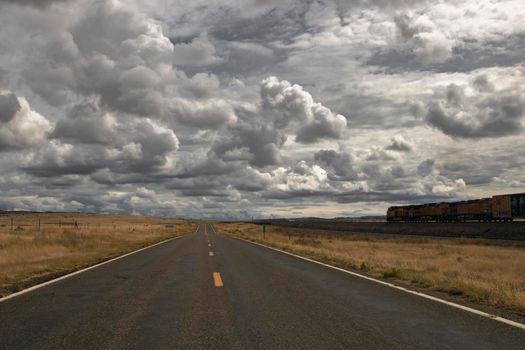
(475, 270)
(36, 247)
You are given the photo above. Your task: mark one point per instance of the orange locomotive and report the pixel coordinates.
(505, 207)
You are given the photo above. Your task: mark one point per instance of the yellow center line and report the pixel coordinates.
(210, 254)
(217, 279)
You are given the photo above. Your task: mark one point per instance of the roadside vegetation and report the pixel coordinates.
(474, 270)
(38, 247)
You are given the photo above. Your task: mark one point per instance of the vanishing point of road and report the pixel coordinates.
(210, 291)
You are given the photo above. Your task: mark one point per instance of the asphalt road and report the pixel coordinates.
(170, 297)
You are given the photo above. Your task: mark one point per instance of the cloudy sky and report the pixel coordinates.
(253, 108)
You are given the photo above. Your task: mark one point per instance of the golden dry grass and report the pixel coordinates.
(478, 270)
(66, 242)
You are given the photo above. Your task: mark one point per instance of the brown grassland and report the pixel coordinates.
(63, 242)
(472, 270)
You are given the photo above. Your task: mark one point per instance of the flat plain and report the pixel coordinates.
(35, 247)
(483, 272)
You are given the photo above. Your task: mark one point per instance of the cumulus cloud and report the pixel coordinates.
(20, 127)
(292, 105)
(301, 179)
(400, 144)
(138, 108)
(428, 43)
(143, 147)
(378, 153)
(125, 60)
(86, 123)
(111, 53)
(341, 163)
(263, 144)
(203, 84)
(9, 106)
(199, 52)
(484, 113)
(211, 113)
(324, 125)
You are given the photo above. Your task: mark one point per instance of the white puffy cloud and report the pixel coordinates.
(429, 43)
(142, 146)
(292, 105)
(199, 52)
(300, 178)
(400, 144)
(86, 123)
(9, 106)
(203, 84)
(478, 113)
(20, 127)
(210, 113)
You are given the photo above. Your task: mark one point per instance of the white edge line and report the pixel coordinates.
(423, 295)
(37, 286)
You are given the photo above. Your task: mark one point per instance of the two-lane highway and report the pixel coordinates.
(206, 290)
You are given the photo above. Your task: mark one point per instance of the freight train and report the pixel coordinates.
(504, 208)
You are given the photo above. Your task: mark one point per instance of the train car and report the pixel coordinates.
(431, 212)
(476, 209)
(497, 208)
(391, 214)
(507, 207)
(397, 214)
(438, 211)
